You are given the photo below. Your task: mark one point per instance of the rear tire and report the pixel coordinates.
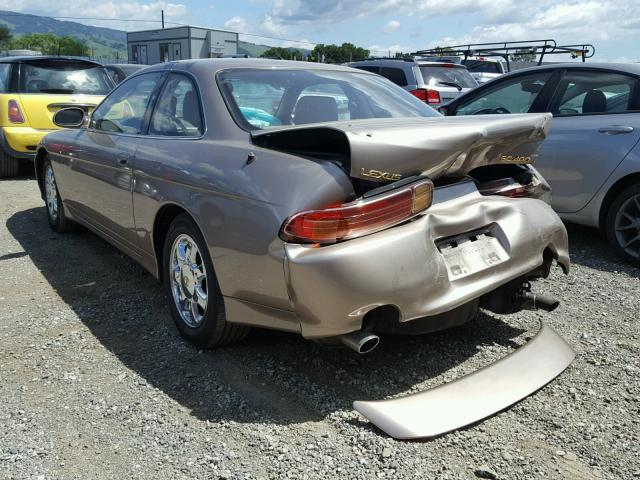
(192, 289)
(623, 225)
(58, 220)
(9, 166)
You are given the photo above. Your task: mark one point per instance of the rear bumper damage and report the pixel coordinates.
(411, 268)
(474, 397)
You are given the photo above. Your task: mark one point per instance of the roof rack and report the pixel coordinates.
(505, 49)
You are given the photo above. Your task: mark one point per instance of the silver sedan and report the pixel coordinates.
(591, 157)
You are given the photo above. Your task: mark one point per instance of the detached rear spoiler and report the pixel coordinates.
(393, 148)
(474, 397)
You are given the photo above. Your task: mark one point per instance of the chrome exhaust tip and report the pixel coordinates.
(360, 341)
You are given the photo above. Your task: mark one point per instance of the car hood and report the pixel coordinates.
(392, 148)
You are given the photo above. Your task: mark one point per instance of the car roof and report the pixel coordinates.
(32, 58)
(633, 68)
(218, 64)
(399, 62)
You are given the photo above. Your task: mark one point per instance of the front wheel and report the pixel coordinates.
(623, 225)
(192, 289)
(58, 220)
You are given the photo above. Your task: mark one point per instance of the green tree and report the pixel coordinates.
(5, 37)
(283, 53)
(346, 52)
(50, 44)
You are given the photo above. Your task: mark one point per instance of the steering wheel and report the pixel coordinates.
(490, 111)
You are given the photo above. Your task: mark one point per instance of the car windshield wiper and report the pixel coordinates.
(451, 84)
(57, 90)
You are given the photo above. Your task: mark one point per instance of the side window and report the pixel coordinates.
(512, 96)
(178, 112)
(5, 70)
(396, 75)
(588, 92)
(124, 109)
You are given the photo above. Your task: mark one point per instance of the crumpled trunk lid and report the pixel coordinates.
(390, 149)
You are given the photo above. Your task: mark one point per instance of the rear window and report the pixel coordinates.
(263, 98)
(64, 77)
(447, 76)
(482, 66)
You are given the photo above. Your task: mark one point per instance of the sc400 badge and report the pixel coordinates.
(504, 158)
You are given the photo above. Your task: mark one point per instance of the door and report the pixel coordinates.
(176, 51)
(100, 181)
(596, 123)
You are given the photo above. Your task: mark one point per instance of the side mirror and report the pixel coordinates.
(444, 110)
(71, 117)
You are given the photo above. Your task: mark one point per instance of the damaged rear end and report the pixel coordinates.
(447, 215)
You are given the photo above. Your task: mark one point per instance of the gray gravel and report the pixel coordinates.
(96, 383)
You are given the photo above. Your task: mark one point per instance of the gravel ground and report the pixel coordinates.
(96, 383)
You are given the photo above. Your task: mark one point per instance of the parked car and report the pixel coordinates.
(278, 214)
(119, 71)
(433, 82)
(32, 90)
(592, 155)
(484, 69)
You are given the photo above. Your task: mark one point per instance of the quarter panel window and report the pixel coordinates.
(5, 70)
(396, 75)
(589, 92)
(513, 96)
(123, 111)
(178, 112)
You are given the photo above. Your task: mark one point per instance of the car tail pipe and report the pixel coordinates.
(360, 341)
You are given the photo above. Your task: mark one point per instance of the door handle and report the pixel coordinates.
(615, 129)
(123, 159)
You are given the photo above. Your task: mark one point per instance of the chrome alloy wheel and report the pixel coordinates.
(51, 193)
(188, 280)
(627, 226)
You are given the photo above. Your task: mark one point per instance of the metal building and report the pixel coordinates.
(178, 43)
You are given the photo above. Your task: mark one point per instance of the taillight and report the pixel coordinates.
(426, 95)
(358, 218)
(15, 114)
(420, 93)
(510, 187)
(433, 96)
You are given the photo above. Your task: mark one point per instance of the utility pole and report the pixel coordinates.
(162, 13)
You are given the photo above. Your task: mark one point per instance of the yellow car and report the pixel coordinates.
(32, 90)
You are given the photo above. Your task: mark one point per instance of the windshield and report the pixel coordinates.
(64, 77)
(261, 98)
(446, 76)
(482, 66)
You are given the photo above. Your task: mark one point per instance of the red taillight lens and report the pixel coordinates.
(426, 95)
(420, 93)
(358, 218)
(15, 114)
(509, 187)
(433, 96)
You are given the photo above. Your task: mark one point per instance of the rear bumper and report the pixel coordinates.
(332, 287)
(476, 396)
(20, 142)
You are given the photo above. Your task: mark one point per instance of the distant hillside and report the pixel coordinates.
(106, 43)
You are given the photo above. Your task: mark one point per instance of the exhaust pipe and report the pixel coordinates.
(543, 302)
(360, 341)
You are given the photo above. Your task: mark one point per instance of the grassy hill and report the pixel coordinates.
(106, 43)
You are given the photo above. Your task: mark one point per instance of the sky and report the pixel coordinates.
(382, 26)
